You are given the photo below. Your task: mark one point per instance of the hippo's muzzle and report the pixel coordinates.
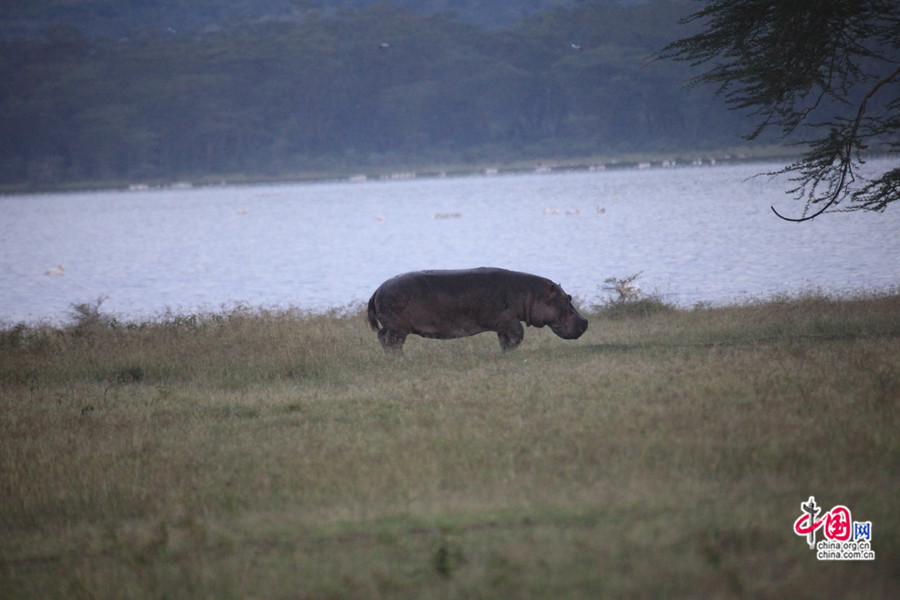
(570, 326)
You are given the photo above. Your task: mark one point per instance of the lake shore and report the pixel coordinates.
(391, 170)
(281, 453)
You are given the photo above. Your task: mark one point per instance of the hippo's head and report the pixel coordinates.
(553, 307)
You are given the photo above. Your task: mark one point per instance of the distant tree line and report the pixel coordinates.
(372, 87)
(115, 18)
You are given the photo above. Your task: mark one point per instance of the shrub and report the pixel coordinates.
(626, 300)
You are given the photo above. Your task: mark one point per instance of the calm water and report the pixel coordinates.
(698, 234)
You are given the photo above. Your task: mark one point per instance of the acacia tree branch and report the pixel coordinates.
(786, 60)
(846, 157)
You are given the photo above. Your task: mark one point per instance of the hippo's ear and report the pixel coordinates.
(553, 290)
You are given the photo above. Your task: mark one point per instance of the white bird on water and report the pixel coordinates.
(57, 270)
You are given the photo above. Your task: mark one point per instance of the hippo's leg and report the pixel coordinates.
(391, 341)
(511, 335)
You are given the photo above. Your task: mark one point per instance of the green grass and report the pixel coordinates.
(260, 454)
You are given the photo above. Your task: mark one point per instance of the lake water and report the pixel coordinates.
(698, 234)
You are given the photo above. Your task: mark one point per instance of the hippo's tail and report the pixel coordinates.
(372, 317)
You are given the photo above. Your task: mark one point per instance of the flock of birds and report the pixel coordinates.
(574, 46)
(547, 211)
(60, 270)
(572, 211)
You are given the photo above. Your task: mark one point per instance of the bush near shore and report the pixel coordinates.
(280, 454)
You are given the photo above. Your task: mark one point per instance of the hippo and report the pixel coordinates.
(460, 303)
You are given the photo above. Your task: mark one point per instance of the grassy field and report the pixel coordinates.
(255, 454)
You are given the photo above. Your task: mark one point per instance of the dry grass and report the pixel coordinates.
(281, 455)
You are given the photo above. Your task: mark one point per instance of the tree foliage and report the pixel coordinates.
(824, 73)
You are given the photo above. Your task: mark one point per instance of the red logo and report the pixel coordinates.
(845, 539)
